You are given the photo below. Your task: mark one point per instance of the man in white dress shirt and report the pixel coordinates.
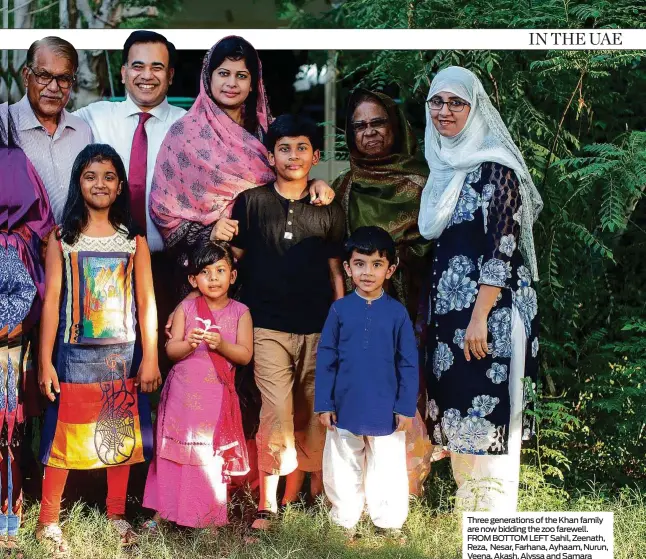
(147, 72)
(135, 128)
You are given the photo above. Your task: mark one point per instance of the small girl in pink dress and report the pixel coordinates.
(200, 442)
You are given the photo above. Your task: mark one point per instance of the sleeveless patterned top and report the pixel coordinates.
(98, 291)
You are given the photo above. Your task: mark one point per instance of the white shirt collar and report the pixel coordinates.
(160, 112)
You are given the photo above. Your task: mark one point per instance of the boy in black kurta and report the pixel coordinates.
(290, 274)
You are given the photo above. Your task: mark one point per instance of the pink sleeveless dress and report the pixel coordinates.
(184, 483)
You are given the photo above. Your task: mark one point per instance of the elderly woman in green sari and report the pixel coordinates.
(383, 187)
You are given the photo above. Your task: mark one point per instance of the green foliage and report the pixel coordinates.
(46, 13)
(578, 118)
(433, 530)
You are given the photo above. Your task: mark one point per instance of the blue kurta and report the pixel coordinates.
(367, 365)
(468, 401)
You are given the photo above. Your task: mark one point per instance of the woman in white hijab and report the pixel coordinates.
(479, 204)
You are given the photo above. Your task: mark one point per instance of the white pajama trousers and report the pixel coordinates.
(490, 483)
(360, 470)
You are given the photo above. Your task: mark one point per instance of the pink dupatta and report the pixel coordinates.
(228, 438)
(205, 161)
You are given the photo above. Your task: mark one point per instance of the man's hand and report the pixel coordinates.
(328, 420)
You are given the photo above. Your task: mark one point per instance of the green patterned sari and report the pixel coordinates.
(386, 192)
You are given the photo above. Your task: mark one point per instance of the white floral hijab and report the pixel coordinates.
(483, 139)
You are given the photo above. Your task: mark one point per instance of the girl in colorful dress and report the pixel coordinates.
(92, 360)
(200, 441)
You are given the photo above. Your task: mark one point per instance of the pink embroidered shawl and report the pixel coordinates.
(205, 161)
(228, 438)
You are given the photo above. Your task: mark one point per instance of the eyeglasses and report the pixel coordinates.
(375, 123)
(454, 105)
(64, 81)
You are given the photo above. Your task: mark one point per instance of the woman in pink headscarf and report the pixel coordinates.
(209, 156)
(215, 151)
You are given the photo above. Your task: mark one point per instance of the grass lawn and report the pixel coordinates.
(432, 529)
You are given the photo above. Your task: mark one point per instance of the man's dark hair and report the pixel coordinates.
(149, 37)
(370, 239)
(208, 254)
(291, 126)
(58, 46)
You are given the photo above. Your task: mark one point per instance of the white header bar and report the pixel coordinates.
(352, 39)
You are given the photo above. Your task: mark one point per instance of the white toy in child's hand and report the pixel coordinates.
(207, 324)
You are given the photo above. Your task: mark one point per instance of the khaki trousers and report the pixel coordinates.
(290, 435)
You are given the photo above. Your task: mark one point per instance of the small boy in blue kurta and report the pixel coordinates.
(367, 381)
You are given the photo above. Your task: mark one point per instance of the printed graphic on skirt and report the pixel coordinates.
(114, 435)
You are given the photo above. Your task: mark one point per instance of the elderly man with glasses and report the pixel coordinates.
(50, 136)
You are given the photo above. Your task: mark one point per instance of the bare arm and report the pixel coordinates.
(47, 377)
(502, 238)
(239, 353)
(169, 321)
(148, 377)
(336, 277)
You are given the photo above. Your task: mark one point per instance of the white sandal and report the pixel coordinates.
(51, 536)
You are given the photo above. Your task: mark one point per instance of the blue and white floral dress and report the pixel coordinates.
(468, 401)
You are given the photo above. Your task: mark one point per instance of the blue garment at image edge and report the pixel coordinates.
(367, 365)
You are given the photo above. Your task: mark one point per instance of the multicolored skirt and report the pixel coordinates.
(99, 419)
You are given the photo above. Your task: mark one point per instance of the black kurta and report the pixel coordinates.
(469, 404)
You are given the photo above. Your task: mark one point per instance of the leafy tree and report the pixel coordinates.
(578, 118)
(96, 67)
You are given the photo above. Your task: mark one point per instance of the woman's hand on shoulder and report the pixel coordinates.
(169, 322)
(320, 193)
(224, 229)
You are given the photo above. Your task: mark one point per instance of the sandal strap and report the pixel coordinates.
(265, 515)
(53, 533)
